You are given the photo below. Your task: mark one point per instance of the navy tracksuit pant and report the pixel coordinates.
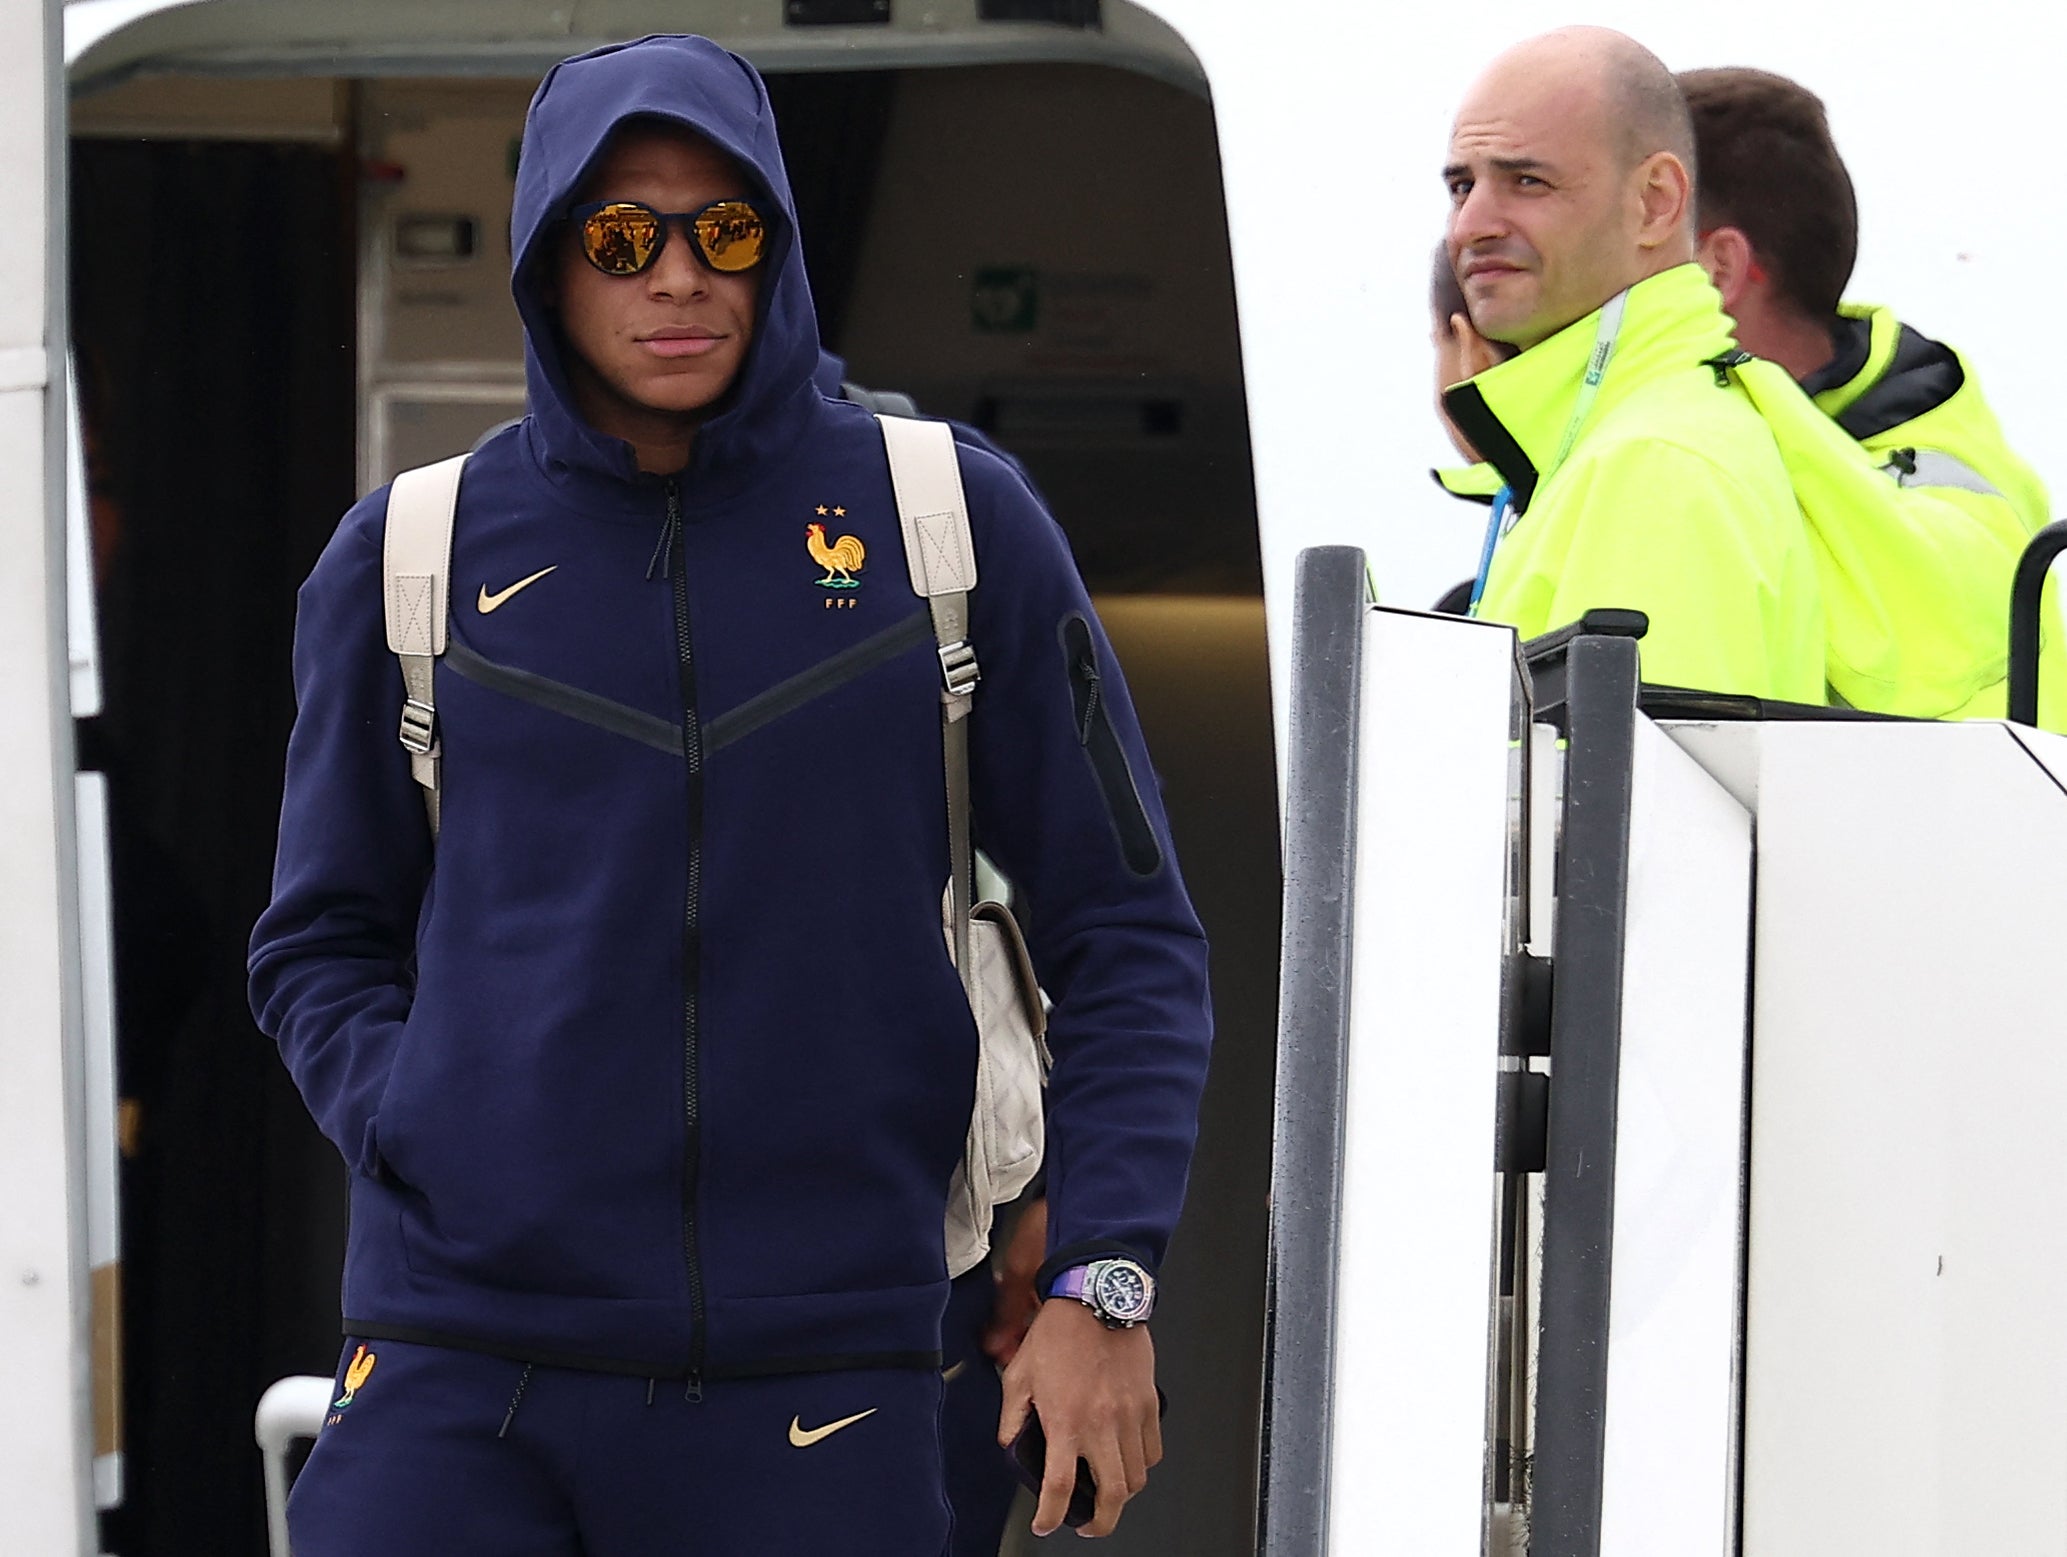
(442, 1453)
(981, 1481)
(453, 1452)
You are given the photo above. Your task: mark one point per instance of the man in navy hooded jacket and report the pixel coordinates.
(653, 1072)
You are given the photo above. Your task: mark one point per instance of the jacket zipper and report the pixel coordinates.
(692, 752)
(1093, 693)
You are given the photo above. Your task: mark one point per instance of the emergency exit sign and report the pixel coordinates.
(1005, 300)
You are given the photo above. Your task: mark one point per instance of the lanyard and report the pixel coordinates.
(1503, 515)
(1496, 526)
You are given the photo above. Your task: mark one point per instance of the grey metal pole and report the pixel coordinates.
(1313, 1040)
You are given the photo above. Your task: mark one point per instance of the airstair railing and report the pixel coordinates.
(2027, 600)
(1586, 682)
(1313, 1051)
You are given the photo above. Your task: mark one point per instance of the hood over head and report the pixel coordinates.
(580, 104)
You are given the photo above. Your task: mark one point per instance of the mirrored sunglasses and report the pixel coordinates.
(623, 237)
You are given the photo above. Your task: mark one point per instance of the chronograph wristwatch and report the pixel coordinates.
(1119, 1292)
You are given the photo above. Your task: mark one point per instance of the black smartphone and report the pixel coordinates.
(1030, 1455)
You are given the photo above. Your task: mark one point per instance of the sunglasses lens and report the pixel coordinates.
(620, 240)
(731, 235)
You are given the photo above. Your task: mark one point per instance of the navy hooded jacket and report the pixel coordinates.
(658, 1062)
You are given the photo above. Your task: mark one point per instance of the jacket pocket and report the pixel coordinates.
(384, 1132)
(1101, 742)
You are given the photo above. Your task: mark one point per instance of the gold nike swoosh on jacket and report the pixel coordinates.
(489, 602)
(804, 1438)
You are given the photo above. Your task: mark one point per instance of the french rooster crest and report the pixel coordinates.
(356, 1374)
(841, 559)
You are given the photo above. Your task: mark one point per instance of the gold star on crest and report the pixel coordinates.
(821, 510)
(839, 513)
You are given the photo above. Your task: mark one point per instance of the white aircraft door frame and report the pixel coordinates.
(45, 1439)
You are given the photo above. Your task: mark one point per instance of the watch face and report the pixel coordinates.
(1122, 1290)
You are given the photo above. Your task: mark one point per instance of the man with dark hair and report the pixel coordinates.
(1772, 181)
(1636, 473)
(1917, 565)
(650, 1063)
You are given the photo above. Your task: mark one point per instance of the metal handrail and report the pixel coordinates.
(2027, 597)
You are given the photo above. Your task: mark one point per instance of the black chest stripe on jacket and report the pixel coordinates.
(835, 671)
(764, 708)
(558, 697)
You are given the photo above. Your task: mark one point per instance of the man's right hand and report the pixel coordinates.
(1096, 1393)
(1463, 352)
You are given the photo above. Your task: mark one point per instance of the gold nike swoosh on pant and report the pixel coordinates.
(804, 1439)
(489, 602)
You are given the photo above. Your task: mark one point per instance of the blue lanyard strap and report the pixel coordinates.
(1503, 516)
(1496, 525)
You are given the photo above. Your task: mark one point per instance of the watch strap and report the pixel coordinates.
(1083, 1252)
(1075, 1282)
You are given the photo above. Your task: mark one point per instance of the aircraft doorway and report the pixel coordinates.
(1037, 248)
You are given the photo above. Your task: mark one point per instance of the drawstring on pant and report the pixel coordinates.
(523, 1382)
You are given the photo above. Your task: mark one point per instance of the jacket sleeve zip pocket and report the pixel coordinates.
(1139, 847)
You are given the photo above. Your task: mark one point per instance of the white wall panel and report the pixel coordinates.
(1672, 1323)
(1414, 1301)
(1907, 1363)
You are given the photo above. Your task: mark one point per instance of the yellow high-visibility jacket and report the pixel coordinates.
(1918, 511)
(1673, 500)
(1964, 506)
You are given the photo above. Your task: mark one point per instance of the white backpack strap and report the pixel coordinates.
(416, 568)
(927, 477)
(928, 480)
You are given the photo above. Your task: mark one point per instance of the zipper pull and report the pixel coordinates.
(663, 558)
(1087, 673)
(509, 1417)
(692, 1389)
(1736, 357)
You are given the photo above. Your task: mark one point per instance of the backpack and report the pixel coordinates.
(1006, 1137)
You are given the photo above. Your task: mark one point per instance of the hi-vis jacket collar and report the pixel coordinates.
(1905, 375)
(1516, 412)
(1479, 483)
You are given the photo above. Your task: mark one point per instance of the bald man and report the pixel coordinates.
(1636, 471)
